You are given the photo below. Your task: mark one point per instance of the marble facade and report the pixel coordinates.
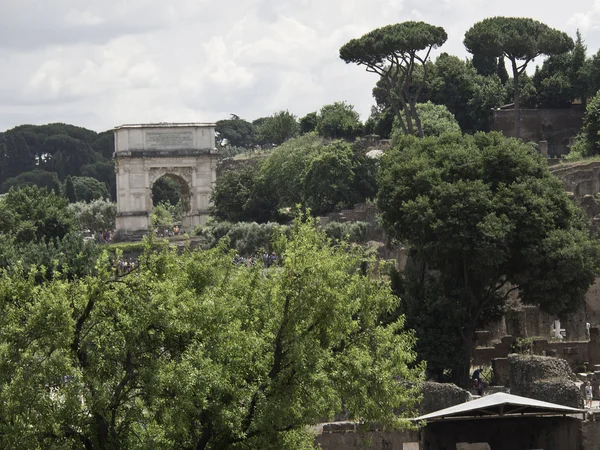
(144, 153)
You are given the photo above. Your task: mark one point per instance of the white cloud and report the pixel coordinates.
(99, 64)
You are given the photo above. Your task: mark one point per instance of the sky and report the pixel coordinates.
(100, 64)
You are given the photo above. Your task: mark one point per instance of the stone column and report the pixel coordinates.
(544, 148)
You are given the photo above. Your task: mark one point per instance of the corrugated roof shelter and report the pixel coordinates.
(500, 405)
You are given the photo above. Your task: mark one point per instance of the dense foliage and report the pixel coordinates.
(308, 171)
(191, 352)
(519, 40)
(393, 52)
(483, 214)
(57, 148)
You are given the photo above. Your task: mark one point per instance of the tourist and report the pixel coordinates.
(588, 395)
(478, 383)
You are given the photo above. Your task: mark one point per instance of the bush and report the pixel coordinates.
(347, 231)
(247, 238)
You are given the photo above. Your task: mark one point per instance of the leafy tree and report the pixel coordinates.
(15, 155)
(104, 144)
(40, 178)
(436, 120)
(589, 141)
(34, 214)
(56, 147)
(392, 52)
(520, 40)
(161, 217)
(563, 77)
(166, 190)
(339, 121)
(188, 351)
(308, 123)
(484, 64)
(103, 171)
(235, 131)
(244, 195)
(88, 189)
(329, 178)
(277, 128)
(468, 95)
(67, 154)
(502, 72)
(70, 190)
(312, 173)
(484, 217)
(380, 122)
(96, 216)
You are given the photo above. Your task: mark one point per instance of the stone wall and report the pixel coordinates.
(347, 436)
(438, 396)
(555, 126)
(544, 378)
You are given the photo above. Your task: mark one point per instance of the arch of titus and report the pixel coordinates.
(144, 153)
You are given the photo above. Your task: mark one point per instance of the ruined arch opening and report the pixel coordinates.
(171, 194)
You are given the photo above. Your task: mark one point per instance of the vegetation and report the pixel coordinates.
(484, 217)
(519, 40)
(188, 351)
(29, 152)
(392, 52)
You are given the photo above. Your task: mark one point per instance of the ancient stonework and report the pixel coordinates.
(145, 153)
(544, 378)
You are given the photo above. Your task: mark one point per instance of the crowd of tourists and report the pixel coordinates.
(268, 259)
(123, 267)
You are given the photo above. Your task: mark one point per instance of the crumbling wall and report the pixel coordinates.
(438, 396)
(544, 378)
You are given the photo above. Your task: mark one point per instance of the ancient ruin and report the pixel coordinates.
(144, 153)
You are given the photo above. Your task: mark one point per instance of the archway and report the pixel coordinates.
(144, 154)
(180, 207)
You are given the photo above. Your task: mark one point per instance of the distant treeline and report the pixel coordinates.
(45, 155)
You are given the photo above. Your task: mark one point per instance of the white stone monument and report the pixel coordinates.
(145, 153)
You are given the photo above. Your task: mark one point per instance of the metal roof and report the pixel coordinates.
(499, 405)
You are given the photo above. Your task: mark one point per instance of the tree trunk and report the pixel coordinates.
(517, 99)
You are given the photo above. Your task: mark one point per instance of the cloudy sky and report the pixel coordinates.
(99, 64)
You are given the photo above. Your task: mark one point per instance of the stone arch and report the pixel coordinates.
(185, 193)
(146, 153)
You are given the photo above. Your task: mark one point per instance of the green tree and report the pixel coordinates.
(313, 173)
(88, 189)
(436, 120)
(243, 194)
(235, 131)
(70, 190)
(589, 140)
(277, 128)
(502, 72)
(96, 216)
(67, 154)
(161, 217)
(166, 190)
(190, 352)
(103, 171)
(468, 95)
(40, 178)
(520, 40)
(484, 64)
(339, 121)
(308, 123)
(392, 52)
(485, 217)
(34, 214)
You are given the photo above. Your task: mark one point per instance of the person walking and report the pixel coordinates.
(589, 395)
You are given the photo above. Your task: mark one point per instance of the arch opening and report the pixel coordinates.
(172, 193)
